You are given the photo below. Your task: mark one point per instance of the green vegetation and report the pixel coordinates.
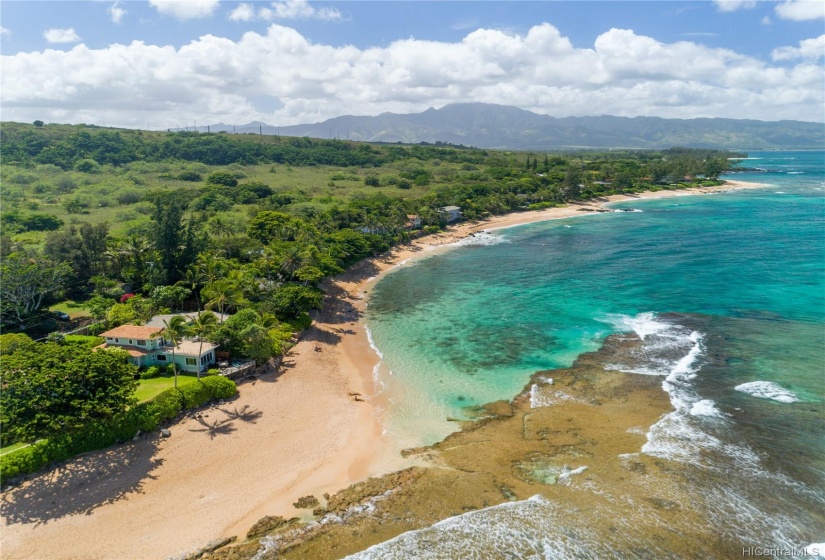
(97, 434)
(150, 388)
(52, 388)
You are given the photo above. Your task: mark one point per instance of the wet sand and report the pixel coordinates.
(301, 431)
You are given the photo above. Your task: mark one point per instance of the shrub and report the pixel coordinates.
(83, 340)
(222, 178)
(130, 196)
(87, 166)
(220, 387)
(195, 395)
(150, 373)
(212, 371)
(372, 181)
(404, 184)
(190, 176)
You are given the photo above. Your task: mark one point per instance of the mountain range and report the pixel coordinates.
(485, 125)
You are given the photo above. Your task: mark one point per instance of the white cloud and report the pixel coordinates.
(734, 5)
(116, 12)
(214, 79)
(185, 9)
(809, 49)
(243, 12)
(801, 10)
(61, 35)
(766, 20)
(4, 32)
(287, 9)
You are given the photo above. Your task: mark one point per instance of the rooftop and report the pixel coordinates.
(132, 331)
(193, 347)
(134, 352)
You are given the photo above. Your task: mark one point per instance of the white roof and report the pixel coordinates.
(191, 348)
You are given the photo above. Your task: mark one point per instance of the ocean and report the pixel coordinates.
(726, 293)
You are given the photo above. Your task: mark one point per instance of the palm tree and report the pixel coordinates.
(291, 259)
(203, 325)
(192, 279)
(174, 329)
(222, 293)
(266, 320)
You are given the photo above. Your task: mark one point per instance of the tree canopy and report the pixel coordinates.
(49, 388)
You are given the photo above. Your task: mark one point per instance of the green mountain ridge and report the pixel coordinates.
(503, 127)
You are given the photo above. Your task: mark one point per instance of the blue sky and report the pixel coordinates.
(296, 61)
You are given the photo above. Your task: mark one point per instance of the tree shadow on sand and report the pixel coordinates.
(83, 484)
(226, 425)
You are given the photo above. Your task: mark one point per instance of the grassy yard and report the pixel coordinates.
(150, 388)
(12, 448)
(75, 309)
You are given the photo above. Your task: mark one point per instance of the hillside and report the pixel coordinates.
(497, 126)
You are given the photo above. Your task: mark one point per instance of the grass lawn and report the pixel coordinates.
(12, 448)
(150, 388)
(73, 308)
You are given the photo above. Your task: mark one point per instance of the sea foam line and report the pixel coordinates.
(767, 390)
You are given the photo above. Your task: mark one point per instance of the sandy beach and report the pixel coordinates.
(311, 428)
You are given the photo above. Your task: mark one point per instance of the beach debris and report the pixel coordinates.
(165, 433)
(358, 399)
(317, 348)
(353, 394)
(307, 502)
(268, 524)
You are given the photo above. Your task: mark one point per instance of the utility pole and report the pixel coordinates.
(260, 130)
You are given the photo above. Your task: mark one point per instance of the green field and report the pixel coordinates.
(114, 195)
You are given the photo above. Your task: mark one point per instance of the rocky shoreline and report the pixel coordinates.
(531, 445)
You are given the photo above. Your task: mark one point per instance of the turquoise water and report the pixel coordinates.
(469, 326)
(734, 283)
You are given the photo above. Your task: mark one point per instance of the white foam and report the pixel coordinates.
(767, 390)
(372, 342)
(494, 526)
(705, 407)
(480, 238)
(539, 399)
(566, 474)
(643, 324)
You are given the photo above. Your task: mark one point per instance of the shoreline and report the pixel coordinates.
(320, 430)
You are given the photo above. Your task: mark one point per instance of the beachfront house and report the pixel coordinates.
(146, 348)
(451, 213)
(413, 221)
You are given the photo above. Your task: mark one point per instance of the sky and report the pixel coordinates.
(165, 64)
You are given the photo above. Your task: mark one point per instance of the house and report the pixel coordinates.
(146, 348)
(451, 213)
(413, 221)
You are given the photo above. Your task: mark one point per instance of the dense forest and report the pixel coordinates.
(128, 223)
